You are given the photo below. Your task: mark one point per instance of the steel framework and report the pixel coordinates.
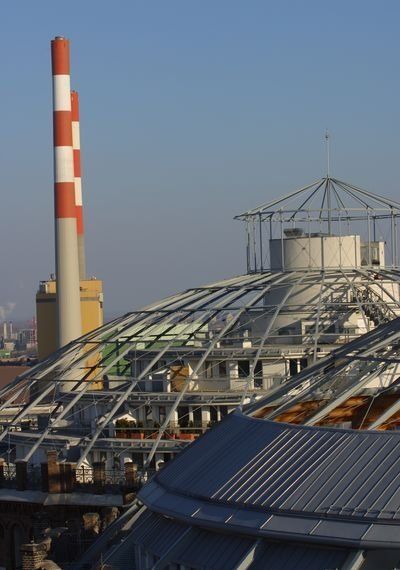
(327, 205)
(176, 366)
(199, 324)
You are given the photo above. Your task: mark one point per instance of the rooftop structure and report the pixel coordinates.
(259, 492)
(329, 211)
(139, 388)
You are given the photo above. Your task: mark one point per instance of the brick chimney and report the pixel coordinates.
(33, 555)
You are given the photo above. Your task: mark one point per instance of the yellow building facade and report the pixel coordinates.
(46, 312)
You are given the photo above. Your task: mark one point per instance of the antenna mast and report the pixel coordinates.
(328, 182)
(328, 150)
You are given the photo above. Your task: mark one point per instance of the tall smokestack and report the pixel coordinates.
(67, 267)
(76, 143)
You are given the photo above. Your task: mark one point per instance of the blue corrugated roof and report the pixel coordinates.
(284, 556)
(281, 481)
(277, 466)
(199, 548)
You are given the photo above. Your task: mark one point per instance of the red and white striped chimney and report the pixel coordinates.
(76, 143)
(67, 266)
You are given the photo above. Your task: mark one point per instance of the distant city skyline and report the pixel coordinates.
(190, 113)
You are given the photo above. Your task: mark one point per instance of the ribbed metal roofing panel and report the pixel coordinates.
(156, 533)
(269, 465)
(210, 550)
(199, 548)
(276, 556)
(124, 557)
(227, 447)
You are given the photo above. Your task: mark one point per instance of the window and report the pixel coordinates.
(163, 414)
(243, 368)
(157, 386)
(197, 417)
(222, 371)
(293, 367)
(258, 373)
(183, 416)
(208, 369)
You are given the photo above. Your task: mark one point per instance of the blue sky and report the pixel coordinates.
(191, 111)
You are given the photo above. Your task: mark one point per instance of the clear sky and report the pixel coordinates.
(191, 111)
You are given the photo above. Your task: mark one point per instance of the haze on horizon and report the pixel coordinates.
(191, 112)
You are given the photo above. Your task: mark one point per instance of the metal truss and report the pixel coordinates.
(231, 320)
(228, 343)
(347, 374)
(329, 206)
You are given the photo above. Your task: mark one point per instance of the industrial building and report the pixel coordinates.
(91, 295)
(18, 339)
(8, 339)
(68, 304)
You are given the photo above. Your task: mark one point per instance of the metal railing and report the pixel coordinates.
(87, 479)
(8, 477)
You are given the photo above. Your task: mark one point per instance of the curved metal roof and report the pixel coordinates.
(275, 480)
(172, 543)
